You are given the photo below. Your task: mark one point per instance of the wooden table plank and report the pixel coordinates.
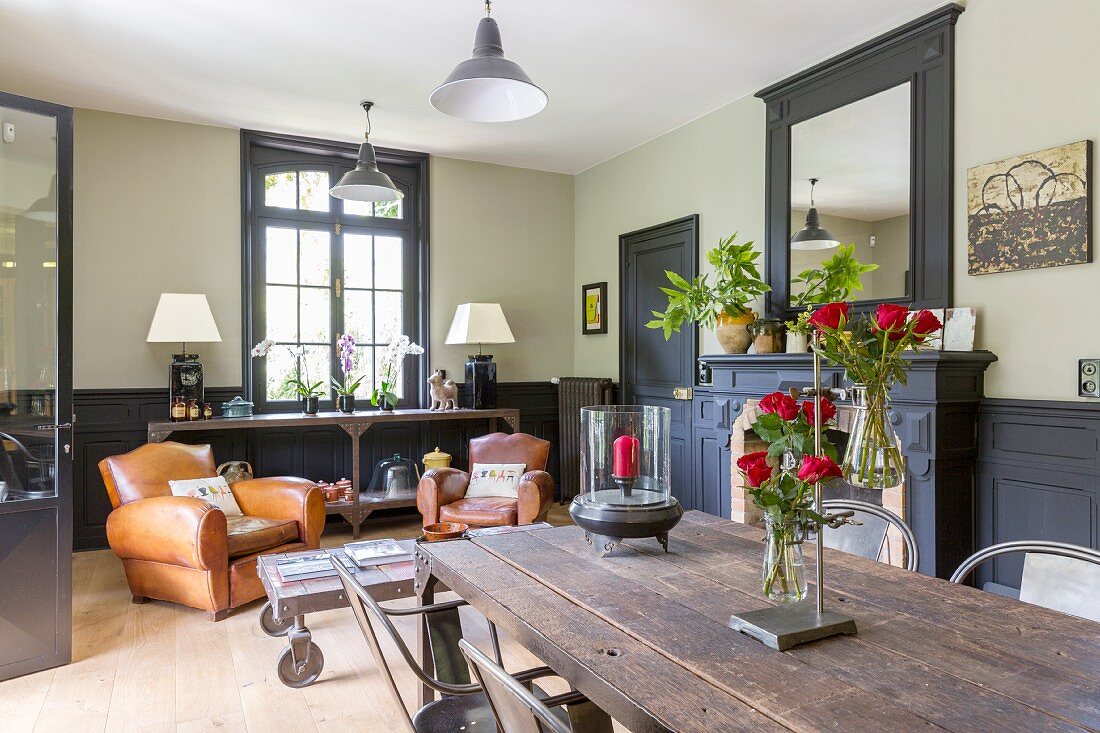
(589, 652)
(687, 622)
(929, 654)
(1045, 681)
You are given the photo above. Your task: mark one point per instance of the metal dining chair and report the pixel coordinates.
(519, 710)
(462, 705)
(1056, 575)
(868, 538)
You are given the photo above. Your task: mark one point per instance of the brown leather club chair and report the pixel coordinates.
(185, 550)
(441, 494)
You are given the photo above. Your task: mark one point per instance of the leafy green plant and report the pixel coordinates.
(835, 280)
(737, 282)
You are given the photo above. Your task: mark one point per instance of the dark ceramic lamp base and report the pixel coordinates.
(481, 382)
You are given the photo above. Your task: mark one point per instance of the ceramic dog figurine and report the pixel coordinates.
(444, 393)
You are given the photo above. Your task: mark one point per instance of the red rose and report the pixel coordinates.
(925, 323)
(833, 315)
(781, 404)
(755, 467)
(891, 319)
(828, 410)
(818, 468)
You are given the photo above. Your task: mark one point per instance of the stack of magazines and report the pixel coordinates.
(307, 565)
(376, 552)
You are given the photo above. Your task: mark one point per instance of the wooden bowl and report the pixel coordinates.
(444, 531)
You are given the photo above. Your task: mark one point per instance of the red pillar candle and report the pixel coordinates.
(624, 454)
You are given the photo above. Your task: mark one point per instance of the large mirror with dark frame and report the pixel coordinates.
(850, 175)
(859, 154)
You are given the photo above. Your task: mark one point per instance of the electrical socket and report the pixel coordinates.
(1088, 378)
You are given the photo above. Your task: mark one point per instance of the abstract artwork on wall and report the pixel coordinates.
(1030, 211)
(594, 308)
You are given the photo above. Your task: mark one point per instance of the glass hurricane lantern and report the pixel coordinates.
(625, 489)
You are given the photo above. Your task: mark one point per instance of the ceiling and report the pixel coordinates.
(618, 72)
(860, 153)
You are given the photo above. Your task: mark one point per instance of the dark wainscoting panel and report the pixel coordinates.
(112, 421)
(1038, 478)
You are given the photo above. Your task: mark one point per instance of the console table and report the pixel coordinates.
(354, 424)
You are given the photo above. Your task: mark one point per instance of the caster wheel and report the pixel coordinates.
(270, 626)
(306, 672)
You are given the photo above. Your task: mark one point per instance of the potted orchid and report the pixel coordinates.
(871, 349)
(781, 482)
(348, 384)
(389, 369)
(309, 392)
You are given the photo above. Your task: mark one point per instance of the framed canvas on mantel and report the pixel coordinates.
(594, 308)
(1030, 211)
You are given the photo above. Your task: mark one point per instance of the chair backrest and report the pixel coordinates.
(366, 610)
(145, 471)
(516, 708)
(515, 448)
(868, 539)
(1057, 575)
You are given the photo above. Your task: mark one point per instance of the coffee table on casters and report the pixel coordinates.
(284, 614)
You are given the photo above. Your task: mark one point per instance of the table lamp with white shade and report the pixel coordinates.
(184, 317)
(480, 323)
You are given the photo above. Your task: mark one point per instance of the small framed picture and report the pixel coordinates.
(594, 307)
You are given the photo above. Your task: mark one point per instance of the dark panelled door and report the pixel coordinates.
(650, 368)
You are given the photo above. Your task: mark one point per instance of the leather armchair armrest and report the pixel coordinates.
(284, 497)
(536, 494)
(439, 486)
(175, 530)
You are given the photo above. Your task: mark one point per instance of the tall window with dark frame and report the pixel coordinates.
(318, 267)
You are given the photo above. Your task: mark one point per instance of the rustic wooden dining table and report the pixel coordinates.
(644, 635)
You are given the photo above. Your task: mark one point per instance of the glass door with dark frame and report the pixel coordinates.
(35, 385)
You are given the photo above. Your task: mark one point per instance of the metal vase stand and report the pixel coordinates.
(784, 626)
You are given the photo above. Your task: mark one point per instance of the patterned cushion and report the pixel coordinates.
(214, 490)
(248, 535)
(495, 479)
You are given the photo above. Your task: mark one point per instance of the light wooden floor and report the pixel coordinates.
(162, 667)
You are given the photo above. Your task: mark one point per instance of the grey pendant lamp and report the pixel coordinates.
(813, 235)
(365, 182)
(45, 208)
(488, 87)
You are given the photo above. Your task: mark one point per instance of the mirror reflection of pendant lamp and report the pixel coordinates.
(365, 182)
(45, 208)
(813, 235)
(488, 87)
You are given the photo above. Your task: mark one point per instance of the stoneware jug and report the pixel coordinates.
(234, 471)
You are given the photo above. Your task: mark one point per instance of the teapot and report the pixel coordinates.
(234, 471)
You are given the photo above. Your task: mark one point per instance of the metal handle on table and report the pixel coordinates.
(53, 427)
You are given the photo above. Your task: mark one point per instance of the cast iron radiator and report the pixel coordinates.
(573, 394)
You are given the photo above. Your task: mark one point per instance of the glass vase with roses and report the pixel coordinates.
(871, 348)
(781, 482)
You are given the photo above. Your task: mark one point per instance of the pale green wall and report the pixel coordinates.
(1038, 322)
(504, 235)
(157, 209)
(713, 167)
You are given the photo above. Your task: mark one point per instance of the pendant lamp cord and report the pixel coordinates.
(813, 182)
(366, 108)
(488, 8)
